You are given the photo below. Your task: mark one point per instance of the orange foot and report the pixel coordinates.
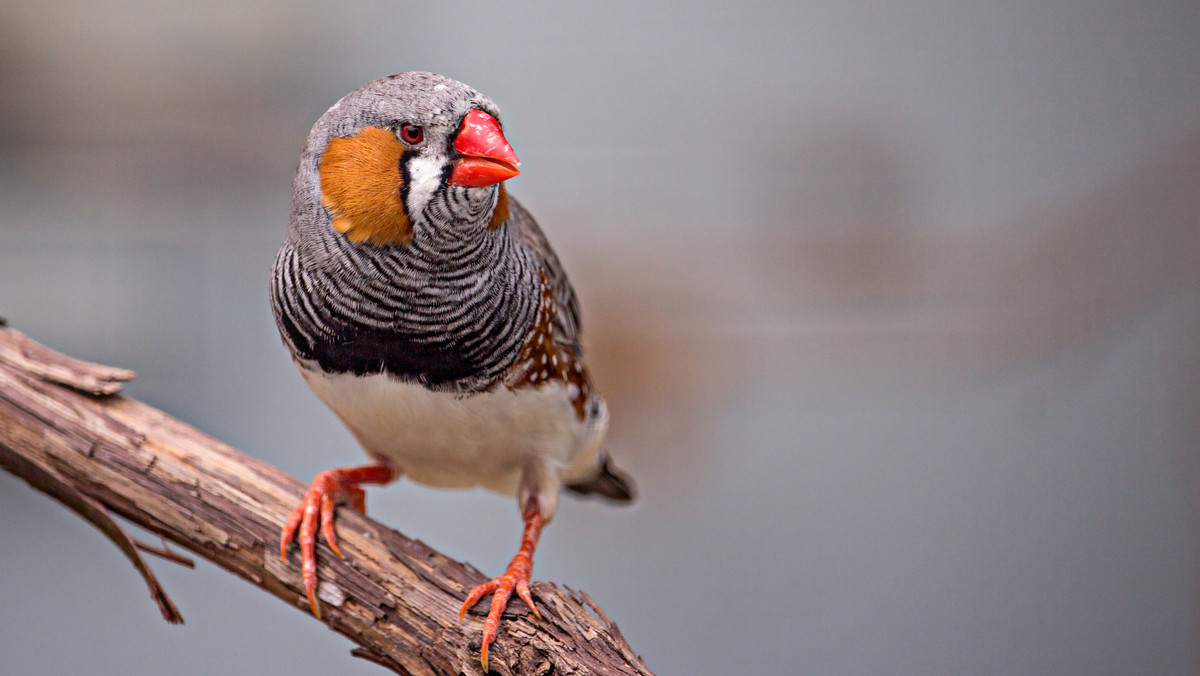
(515, 577)
(328, 489)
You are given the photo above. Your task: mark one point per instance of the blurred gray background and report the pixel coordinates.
(896, 306)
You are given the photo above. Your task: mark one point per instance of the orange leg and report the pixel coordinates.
(516, 576)
(328, 489)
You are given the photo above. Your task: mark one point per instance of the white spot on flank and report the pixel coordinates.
(439, 88)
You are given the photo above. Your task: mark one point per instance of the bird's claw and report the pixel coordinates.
(328, 489)
(315, 510)
(516, 578)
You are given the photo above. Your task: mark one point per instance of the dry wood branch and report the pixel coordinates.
(65, 429)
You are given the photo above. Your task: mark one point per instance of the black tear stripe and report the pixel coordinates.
(405, 180)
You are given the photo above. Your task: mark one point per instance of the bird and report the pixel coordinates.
(426, 308)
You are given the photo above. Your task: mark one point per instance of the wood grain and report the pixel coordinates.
(66, 430)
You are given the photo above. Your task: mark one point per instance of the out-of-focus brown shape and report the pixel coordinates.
(862, 293)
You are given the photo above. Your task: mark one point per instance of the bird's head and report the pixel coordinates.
(407, 152)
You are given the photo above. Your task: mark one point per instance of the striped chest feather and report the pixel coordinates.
(452, 320)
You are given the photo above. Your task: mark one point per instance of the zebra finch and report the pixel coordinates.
(426, 308)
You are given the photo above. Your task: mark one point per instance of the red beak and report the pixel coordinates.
(485, 156)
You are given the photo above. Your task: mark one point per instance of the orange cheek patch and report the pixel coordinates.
(360, 185)
(500, 214)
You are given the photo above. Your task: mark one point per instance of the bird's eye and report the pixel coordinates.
(412, 134)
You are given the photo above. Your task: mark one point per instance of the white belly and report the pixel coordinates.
(452, 441)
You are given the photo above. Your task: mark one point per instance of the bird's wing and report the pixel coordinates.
(567, 325)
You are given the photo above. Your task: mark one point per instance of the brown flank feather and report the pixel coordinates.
(542, 360)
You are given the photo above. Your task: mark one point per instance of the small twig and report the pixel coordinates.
(164, 552)
(49, 482)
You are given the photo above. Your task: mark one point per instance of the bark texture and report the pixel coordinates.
(66, 430)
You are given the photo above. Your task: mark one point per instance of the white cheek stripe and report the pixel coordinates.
(424, 177)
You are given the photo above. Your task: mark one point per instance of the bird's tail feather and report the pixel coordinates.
(609, 482)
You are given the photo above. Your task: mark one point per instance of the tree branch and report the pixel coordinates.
(66, 430)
